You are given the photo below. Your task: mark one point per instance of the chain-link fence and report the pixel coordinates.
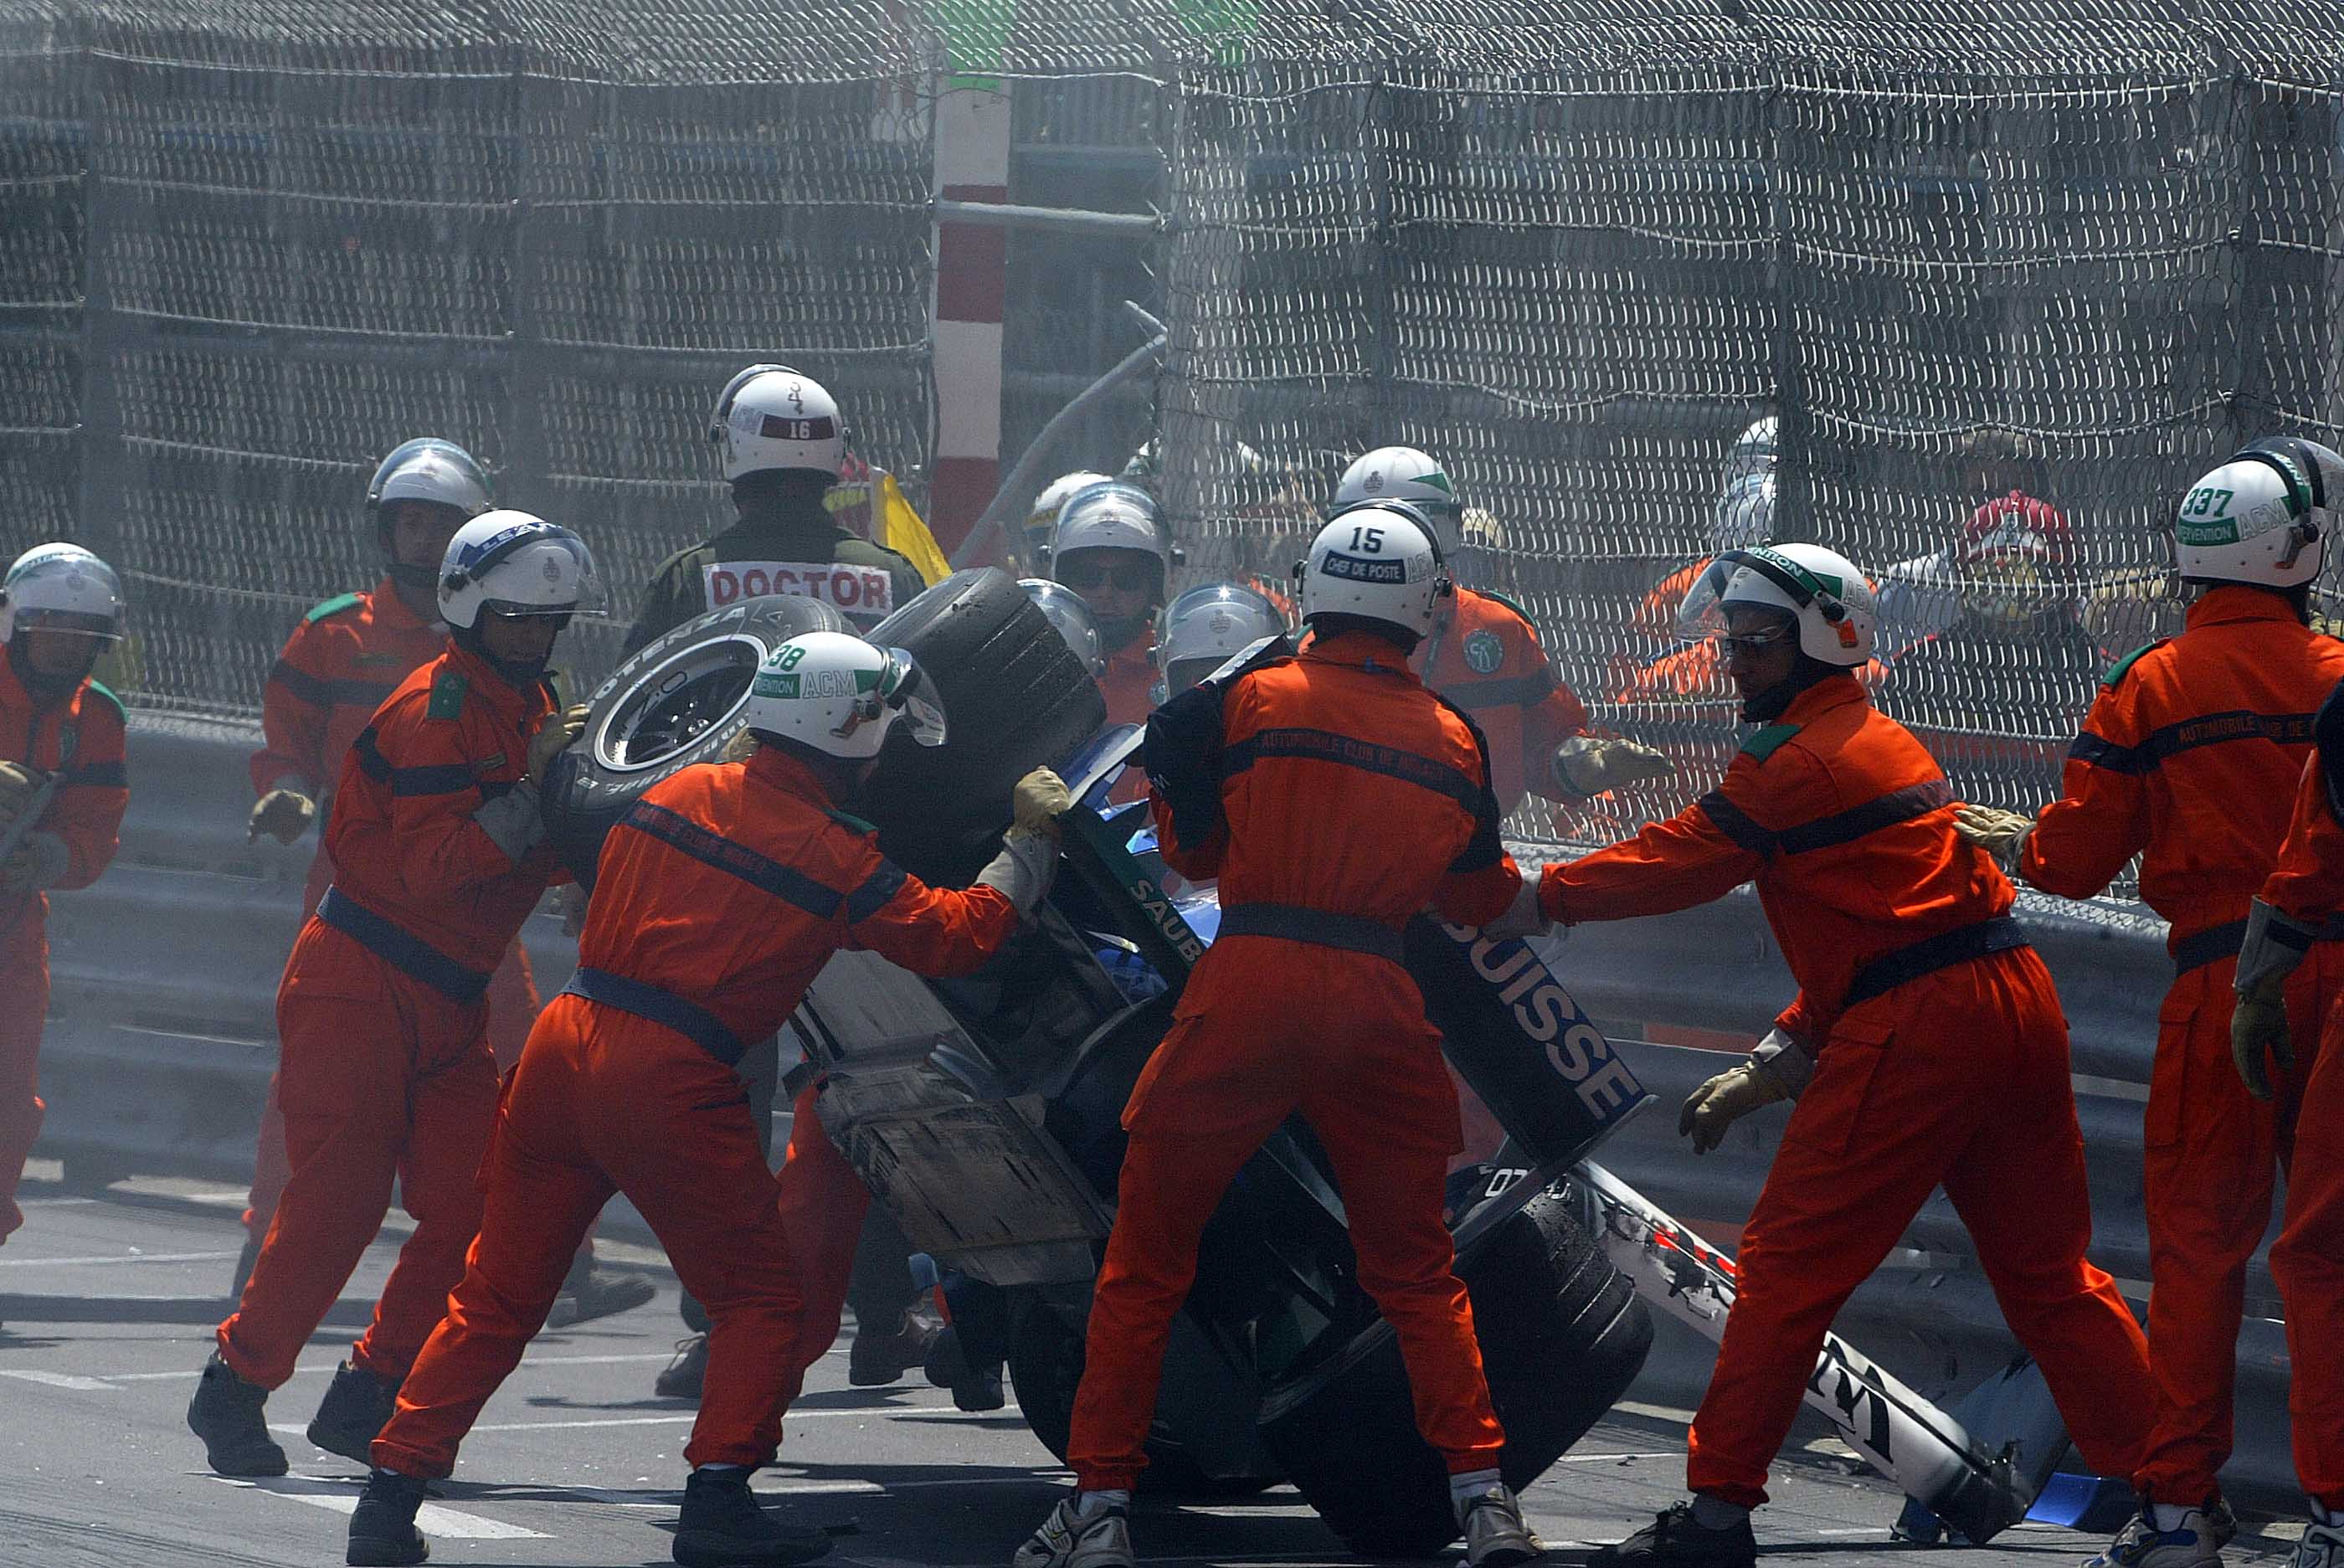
(248, 249)
(2008, 275)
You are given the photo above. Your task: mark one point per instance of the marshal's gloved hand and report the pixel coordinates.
(2275, 944)
(1522, 916)
(552, 738)
(284, 814)
(2001, 833)
(1036, 803)
(18, 785)
(1586, 765)
(1777, 1070)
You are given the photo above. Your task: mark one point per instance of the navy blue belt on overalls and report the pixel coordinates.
(408, 955)
(1943, 951)
(2200, 948)
(693, 1021)
(1350, 933)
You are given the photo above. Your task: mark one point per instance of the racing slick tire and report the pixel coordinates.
(1563, 1335)
(677, 701)
(1046, 1366)
(1015, 698)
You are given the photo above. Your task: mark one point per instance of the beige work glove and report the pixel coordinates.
(18, 784)
(284, 814)
(1584, 765)
(552, 738)
(740, 748)
(1522, 916)
(1036, 803)
(1742, 1088)
(2001, 833)
(2273, 945)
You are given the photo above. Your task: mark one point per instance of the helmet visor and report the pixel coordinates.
(72, 623)
(919, 707)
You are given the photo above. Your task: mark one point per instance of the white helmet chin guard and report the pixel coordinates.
(772, 417)
(1405, 473)
(512, 563)
(1380, 562)
(1832, 601)
(840, 695)
(2261, 518)
(61, 588)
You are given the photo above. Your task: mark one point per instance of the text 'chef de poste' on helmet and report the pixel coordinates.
(1379, 561)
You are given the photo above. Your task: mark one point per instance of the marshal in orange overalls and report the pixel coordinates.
(384, 1068)
(1334, 797)
(717, 899)
(1941, 1057)
(2307, 1259)
(79, 738)
(347, 655)
(2189, 758)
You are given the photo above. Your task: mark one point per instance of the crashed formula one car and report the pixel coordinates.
(986, 1112)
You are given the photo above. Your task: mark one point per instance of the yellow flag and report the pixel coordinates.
(899, 527)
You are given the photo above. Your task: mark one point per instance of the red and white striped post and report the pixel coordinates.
(973, 128)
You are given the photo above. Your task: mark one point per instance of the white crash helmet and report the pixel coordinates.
(1073, 618)
(1832, 601)
(1744, 515)
(1754, 452)
(429, 470)
(1197, 633)
(1381, 560)
(772, 417)
(61, 588)
(2261, 518)
(1404, 473)
(842, 697)
(1111, 515)
(511, 563)
(1042, 521)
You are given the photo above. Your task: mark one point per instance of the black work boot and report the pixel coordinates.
(356, 1406)
(229, 1414)
(382, 1530)
(880, 1357)
(973, 1388)
(1675, 1540)
(724, 1524)
(683, 1375)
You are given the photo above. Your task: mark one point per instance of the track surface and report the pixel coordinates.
(109, 1302)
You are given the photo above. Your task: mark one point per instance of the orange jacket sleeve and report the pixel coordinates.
(92, 792)
(295, 707)
(2308, 883)
(1701, 853)
(435, 845)
(933, 931)
(2082, 840)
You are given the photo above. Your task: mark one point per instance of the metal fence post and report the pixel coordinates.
(104, 223)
